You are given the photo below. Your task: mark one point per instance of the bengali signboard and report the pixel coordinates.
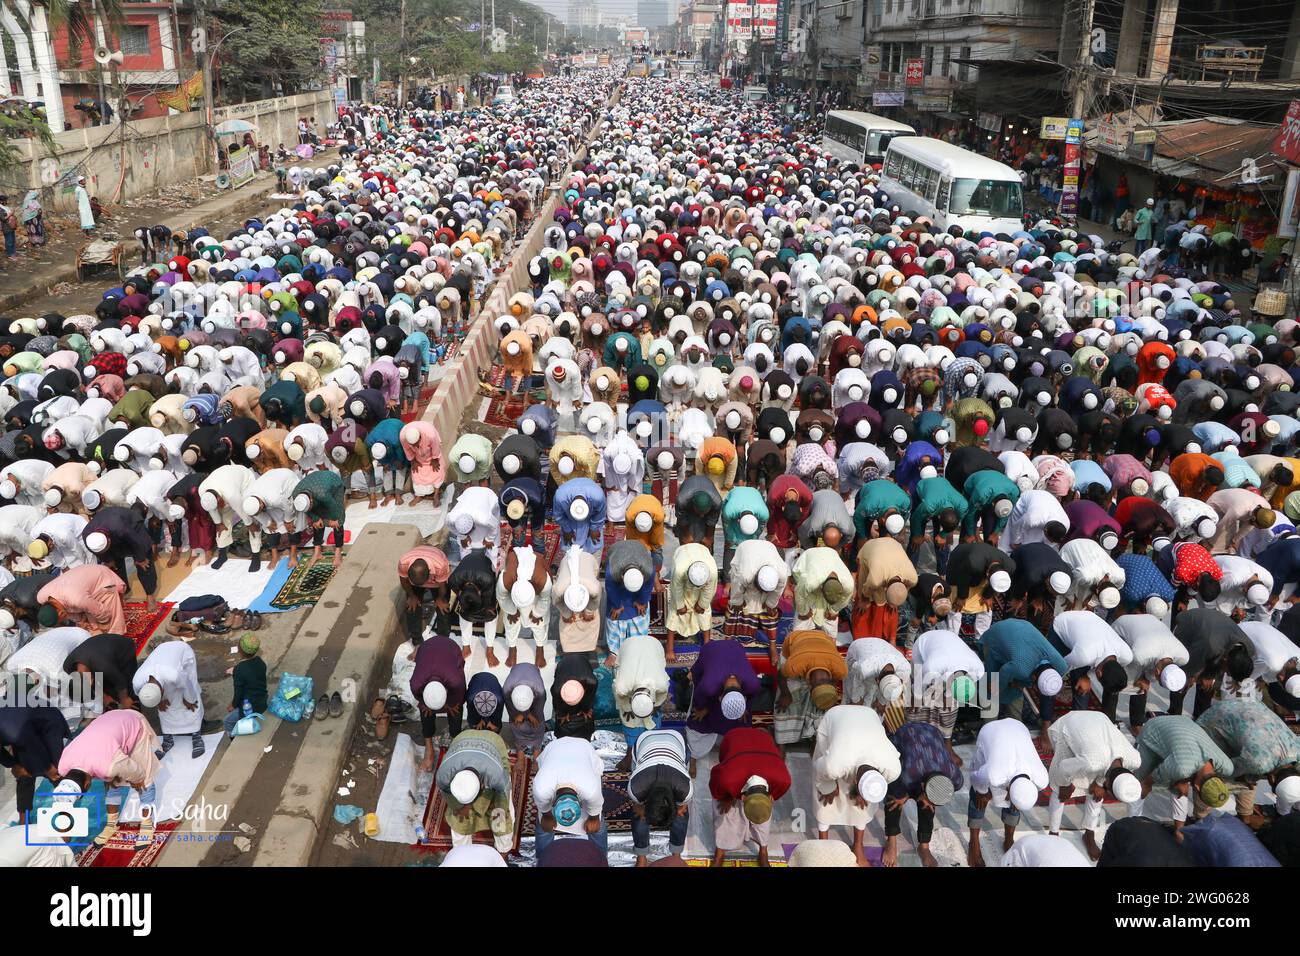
(887, 98)
(1054, 127)
(1070, 170)
(767, 15)
(739, 17)
(1287, 144)
(243, 165)
(782, 26)
(915, 72)
(931, 102)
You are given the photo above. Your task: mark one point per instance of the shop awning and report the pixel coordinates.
(1216, 150)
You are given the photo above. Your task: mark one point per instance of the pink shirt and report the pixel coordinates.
(100, 748)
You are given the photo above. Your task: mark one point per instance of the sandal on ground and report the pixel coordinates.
(381, 726)
(377, 707)
(336, 704)
(322, 706)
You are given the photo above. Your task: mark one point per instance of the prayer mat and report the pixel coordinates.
(141, 625)
(504, 410)
(732, 861)
(617, 813)
(553, 549)
(1064, 700)
(438, 834)
(121, 849)
(306, 582)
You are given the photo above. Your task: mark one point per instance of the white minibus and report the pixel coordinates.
(952, 186)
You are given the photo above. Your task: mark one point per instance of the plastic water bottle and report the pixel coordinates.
(420, 834)
(248, 707)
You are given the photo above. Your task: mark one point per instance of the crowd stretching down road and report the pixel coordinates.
(855, 535)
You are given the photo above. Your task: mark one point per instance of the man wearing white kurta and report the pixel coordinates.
(56, 540)
(474, 522)
(624, 470)
(1091, 754)
(640, 687)
(268, 505)
(871, 662)
(567, 792)
(853, 765)
(1006, 772)
(169, 680)
(222, 494)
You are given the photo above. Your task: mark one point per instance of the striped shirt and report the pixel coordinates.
(1174, 747)
(659, 758)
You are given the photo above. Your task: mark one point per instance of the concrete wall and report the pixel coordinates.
(153, 153)
(459, 385)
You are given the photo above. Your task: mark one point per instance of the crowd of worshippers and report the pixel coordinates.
(892, 488)
(233, 392)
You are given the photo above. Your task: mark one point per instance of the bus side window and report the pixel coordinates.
(945, 185)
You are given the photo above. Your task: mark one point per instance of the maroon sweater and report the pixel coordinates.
(744, 753)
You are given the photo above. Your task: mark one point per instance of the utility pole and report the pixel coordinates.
(1083, 63)
(401, 56)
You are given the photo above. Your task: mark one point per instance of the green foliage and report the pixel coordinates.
(21, 122)
(439, 40)
(271, 48)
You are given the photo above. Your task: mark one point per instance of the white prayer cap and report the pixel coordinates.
(1059, 581)
(644, 521)
(643, 704)
(1288, 789)
(1023, 794)
(1293, 685)
(465, 786)
(1000, 581)
(97, 542)
(1126, 787)
(755, 781)
(1049, 682)
(665, 460)
(252, 505)
(466, 464)
(208, 500)
(872, 786)
(733, 705)
(894, 523)
(294, 449)
(1173, 678)
(150, 694)
(411, 435)
(435, 695)
(579, 510)
(748, 523)
(576, 597)
(566, 465)
(302, 502)
(633, 579)
(698, 574)
(253, 450)
(891, 687)
(521, 697)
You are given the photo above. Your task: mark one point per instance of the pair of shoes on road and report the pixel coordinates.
(329, 705)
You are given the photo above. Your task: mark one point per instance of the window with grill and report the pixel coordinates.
(135, 41)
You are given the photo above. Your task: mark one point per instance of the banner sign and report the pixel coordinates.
(887, 98)
(243, 164)
(1054, 127)
(1069, 206)
(1287, 144)
(915, 72)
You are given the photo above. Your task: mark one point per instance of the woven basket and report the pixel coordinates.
(1271, 302)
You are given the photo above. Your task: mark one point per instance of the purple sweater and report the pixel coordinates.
(439, 658)
(719, 660)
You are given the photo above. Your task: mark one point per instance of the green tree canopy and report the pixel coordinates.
(270, 47)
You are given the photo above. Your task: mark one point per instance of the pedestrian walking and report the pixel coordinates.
(1143, 220)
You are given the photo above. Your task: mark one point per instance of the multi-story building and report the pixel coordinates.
(696, 22)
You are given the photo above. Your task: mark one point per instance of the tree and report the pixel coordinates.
(19, 121)
(273, 47)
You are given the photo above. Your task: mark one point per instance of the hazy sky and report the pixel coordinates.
(560, 8)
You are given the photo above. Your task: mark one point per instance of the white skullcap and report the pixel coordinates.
(643, 704)
(466, 463)
(579, 510)
(521, 697)
(411, 435)
(150, 694)
(1173, 678)
(465, 786)
(1059, 581)
(252, 505)
(872, 786)
(97, 542)
(633, 579)
(698, 574)
(1023, 794)
(1000, 581)
(733, 705)
(1049, 683)
(1126, 787)
(644, 521)
(891, 687)
(435, 695)
(1288, 789)
(302, 502)
(576, 597)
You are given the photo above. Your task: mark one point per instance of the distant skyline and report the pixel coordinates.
(621, 8)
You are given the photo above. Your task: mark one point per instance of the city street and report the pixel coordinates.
(705, 434)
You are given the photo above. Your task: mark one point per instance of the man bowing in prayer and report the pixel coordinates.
(853, 765)
(169, 680)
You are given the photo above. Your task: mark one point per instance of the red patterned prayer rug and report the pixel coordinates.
(438, 837)
(122, 850)
(140, 624)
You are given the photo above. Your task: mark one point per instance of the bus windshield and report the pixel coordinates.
(878, 140)
(986, 197)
